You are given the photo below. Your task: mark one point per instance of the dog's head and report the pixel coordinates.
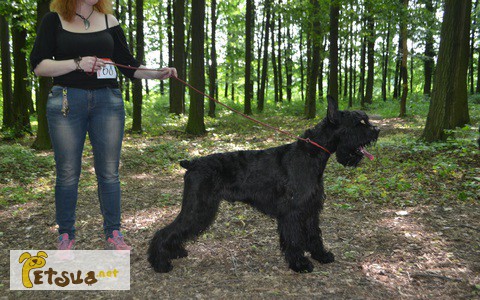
(347, 133)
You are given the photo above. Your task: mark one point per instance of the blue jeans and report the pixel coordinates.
(101, 113)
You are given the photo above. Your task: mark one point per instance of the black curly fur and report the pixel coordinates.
(284, 182)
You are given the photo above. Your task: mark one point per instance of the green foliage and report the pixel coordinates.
(23, 174)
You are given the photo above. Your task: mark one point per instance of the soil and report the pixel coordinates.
(382, 251)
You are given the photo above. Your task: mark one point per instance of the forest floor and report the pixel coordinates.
(406, 225)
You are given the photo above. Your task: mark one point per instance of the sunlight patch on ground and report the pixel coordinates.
(145, 218)
(417, 253)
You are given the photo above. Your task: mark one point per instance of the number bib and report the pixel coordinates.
(107, 72)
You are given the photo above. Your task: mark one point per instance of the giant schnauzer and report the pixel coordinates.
(284, 182)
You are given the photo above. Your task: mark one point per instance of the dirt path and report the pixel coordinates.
(382, 252)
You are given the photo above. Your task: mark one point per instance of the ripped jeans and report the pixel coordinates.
(101, 113)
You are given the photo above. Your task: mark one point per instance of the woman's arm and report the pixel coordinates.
(54, 68)
(161, 74)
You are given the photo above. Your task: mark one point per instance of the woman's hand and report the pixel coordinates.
(165, 73)
(91, 64)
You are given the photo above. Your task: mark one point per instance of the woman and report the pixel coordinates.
(73, 44)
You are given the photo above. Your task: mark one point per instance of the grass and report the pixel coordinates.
(406, 172)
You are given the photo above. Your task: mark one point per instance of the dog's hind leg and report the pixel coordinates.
(199, 207)
(314, 240)
(293, 242)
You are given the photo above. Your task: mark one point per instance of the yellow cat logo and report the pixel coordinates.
(32, 262)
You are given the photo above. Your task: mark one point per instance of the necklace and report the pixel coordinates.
(86, 22)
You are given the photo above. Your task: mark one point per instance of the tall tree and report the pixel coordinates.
(429, 59)
(177, 94)
(8, 115)
(449, 106)
(213, 58)
(196, 123)
(403, 66)
(333, 58)
(137, 95)
(263, 82)
(385, 61)
(21, 98)
(313, 54)
(370, 50)
(42, 141)
(249, 26)
(274, 56)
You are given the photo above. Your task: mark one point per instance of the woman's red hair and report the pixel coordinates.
(68, 8)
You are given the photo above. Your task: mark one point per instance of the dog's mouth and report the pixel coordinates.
(366, 153)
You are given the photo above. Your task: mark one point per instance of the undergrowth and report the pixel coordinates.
(406, 171)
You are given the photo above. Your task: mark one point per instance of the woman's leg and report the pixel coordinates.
(67, 133)
(105, 130)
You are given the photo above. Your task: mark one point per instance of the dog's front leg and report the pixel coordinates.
(314, 241)
(293, 243)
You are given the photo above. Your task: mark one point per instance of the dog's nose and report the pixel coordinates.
(34, 261)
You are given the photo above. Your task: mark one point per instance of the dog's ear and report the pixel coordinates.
(332, 110)
(24, 256)
(42, 254)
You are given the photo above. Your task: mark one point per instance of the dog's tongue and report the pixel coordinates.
(366, 153)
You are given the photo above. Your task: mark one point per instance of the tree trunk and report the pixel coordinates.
(274, 59)
(263, 82)
(313, 66)
(196, 123)
(361, 87)
(386, 52)
(170, 50)
(213, 57)
(42, 142)
(333, 58)
(370, 52)
(137, 96)
(429, 62)
(449, 106)
(20, 93)
(403, 67)
(289, 64)
(279, 55)
(8, 114)
(178, 90)
(249, 26)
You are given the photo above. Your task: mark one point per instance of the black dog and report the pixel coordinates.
(284, 182)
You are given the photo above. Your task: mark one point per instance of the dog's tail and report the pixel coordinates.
(186, 164)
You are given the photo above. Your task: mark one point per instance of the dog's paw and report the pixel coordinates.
(180, 253)
(163, 266)
(302, 265)
(324, 258)
(160, 265)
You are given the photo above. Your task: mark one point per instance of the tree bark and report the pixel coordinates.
(178, 90)
(403, 67)
(196, 123)
(313, 66)
(137, 96)
(20, 93)
(333, 70)
(213, 57)
(429, 62)
(249, 25)
(7, 93)
(370, 52)
(449, 106)
(263, 82)
(42, 142)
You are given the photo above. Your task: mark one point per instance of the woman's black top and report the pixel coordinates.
(53, 42)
